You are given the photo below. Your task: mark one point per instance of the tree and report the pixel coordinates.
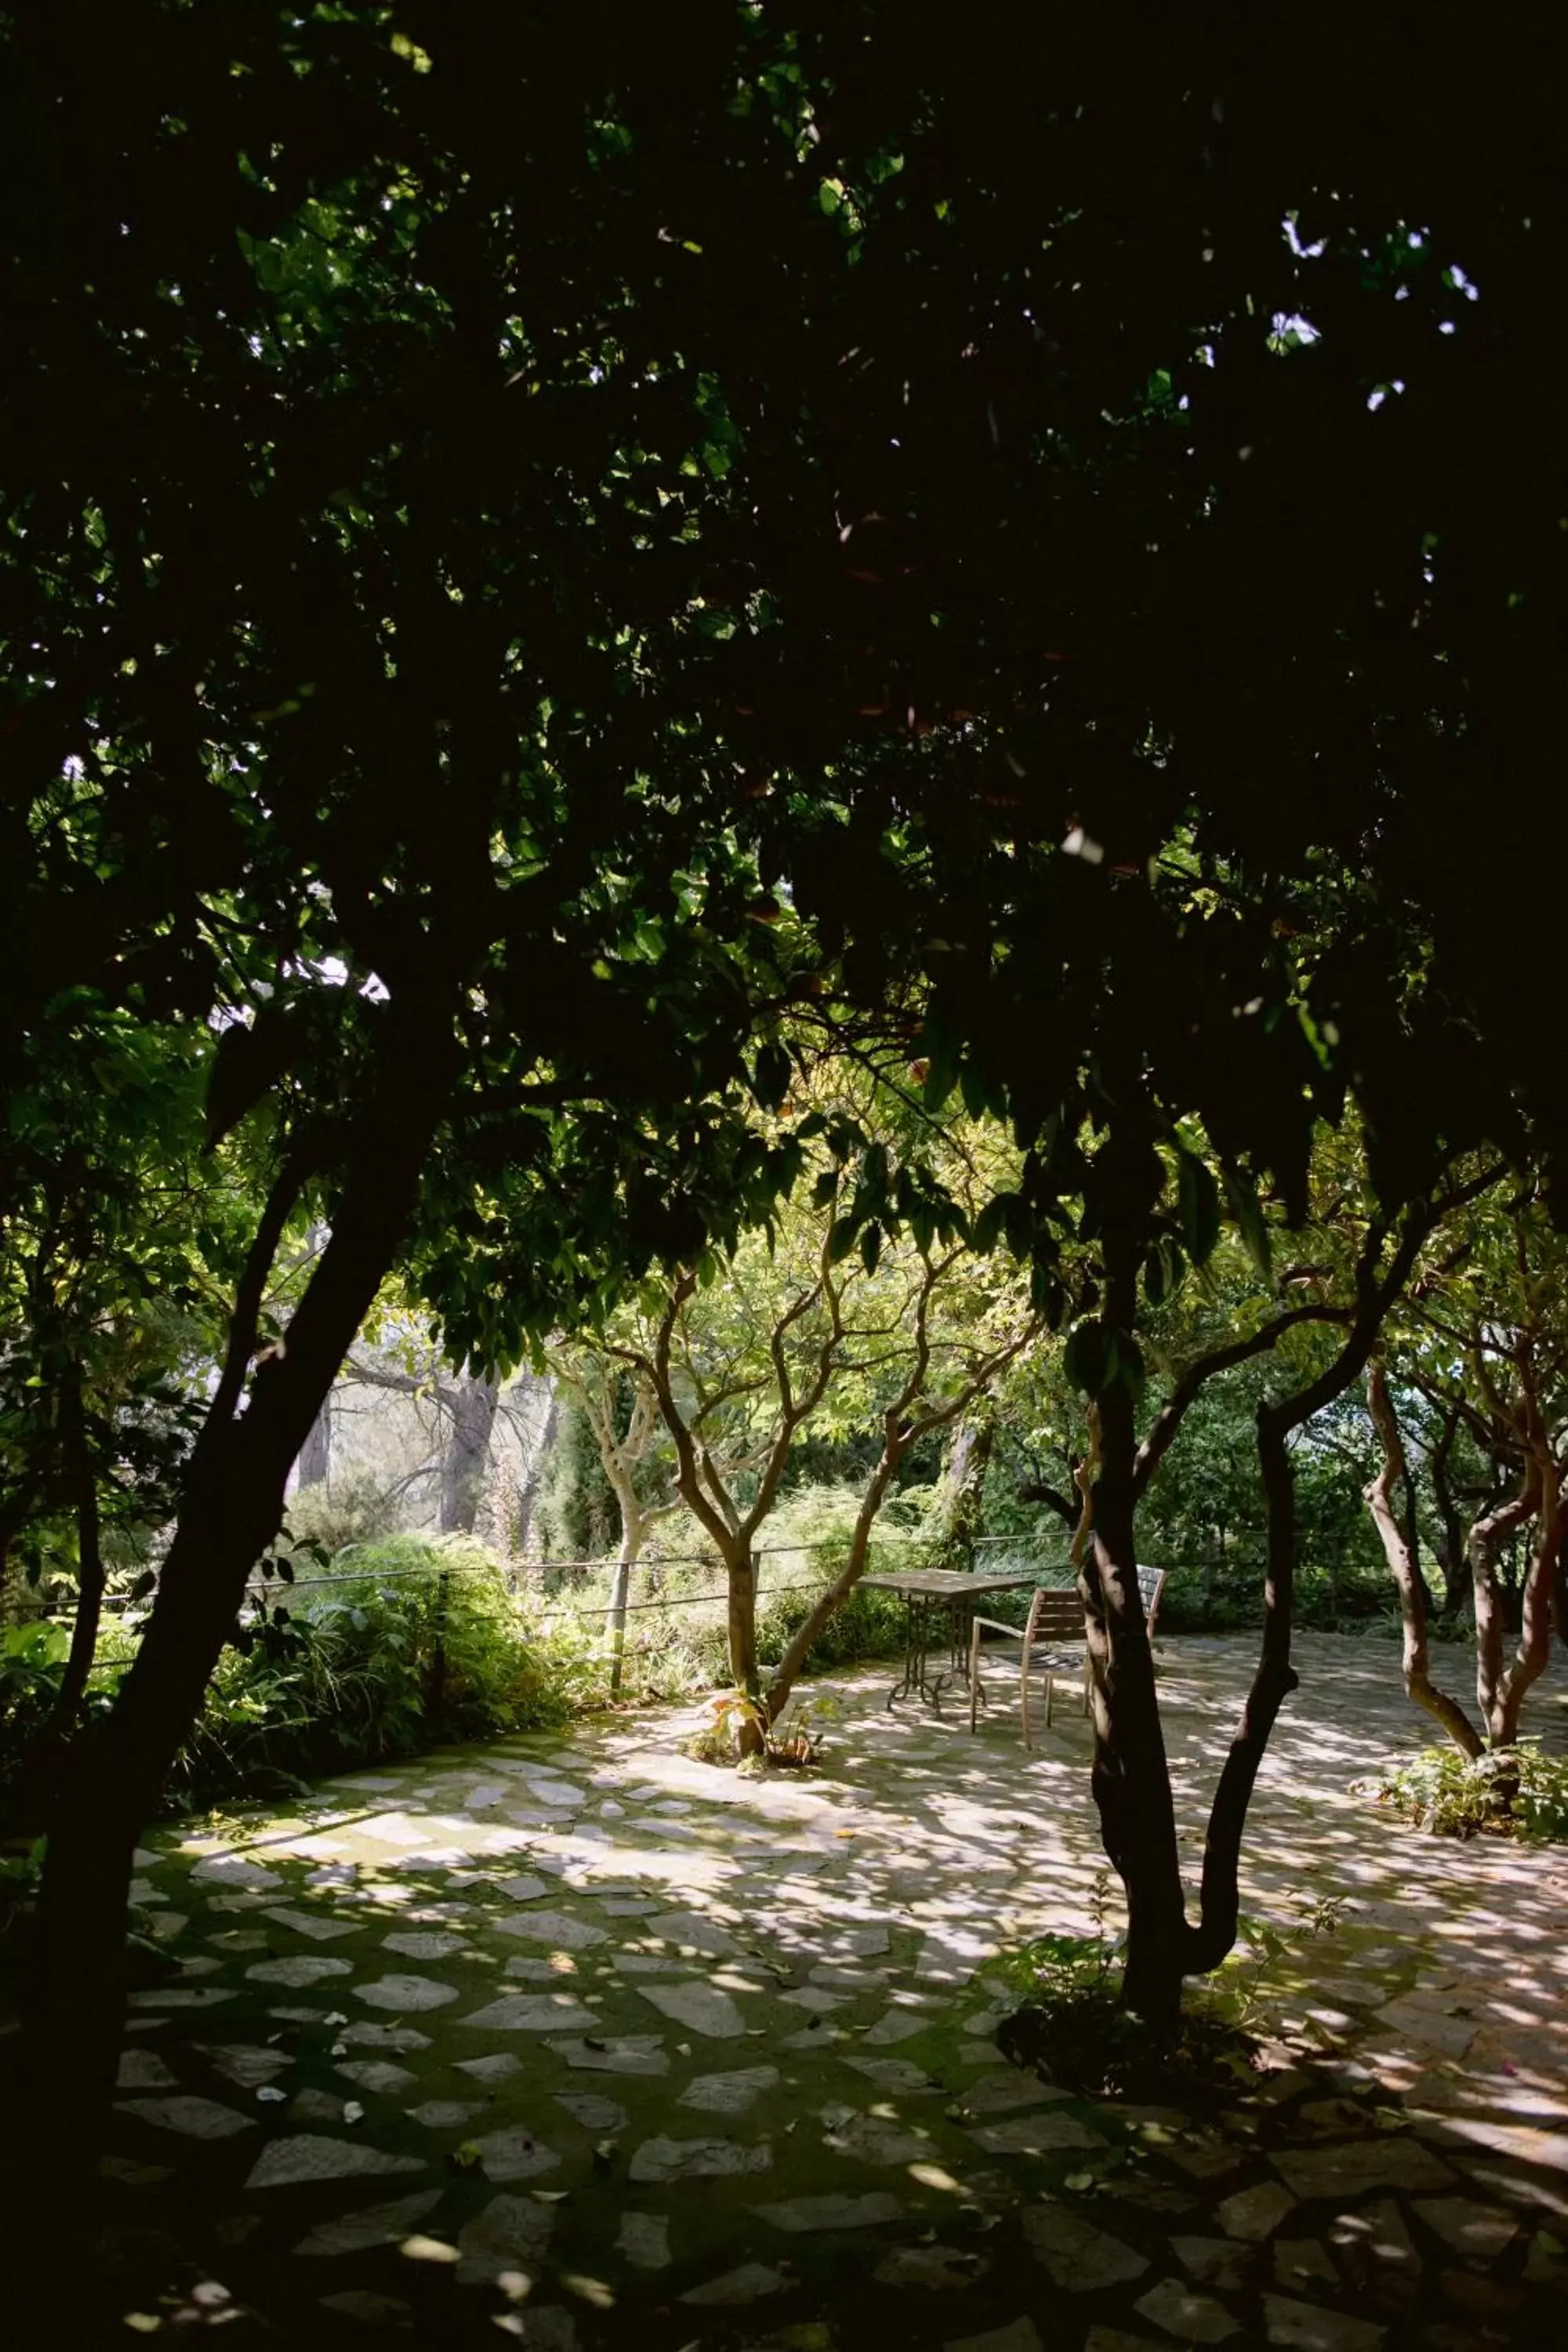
(633, 1452)
(1489, 1333)
(861, 1306)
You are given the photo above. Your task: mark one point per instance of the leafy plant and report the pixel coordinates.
(1510, 1791)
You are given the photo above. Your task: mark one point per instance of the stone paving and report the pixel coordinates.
(582, 2038)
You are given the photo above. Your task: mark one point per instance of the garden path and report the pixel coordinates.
(578, 2037)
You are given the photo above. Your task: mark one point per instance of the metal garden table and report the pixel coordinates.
(938, 1606)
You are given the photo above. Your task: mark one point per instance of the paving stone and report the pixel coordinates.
(1302, 2264)
(1035, 2135)
(143, 2070)
(1116, 2339)
(1308, 2327)
(371, 2309)
(514, 2153)
(616, 2053)
(1079, 2258)
(401, 2038)
(404, 1993)
(1018, 2335)
(731, 2094)
(594, 2113)
(1254, 2213)
(694, 1929)
(317, 1925)
(1004, 2094)
(1480, 2231)
(1390, 2161)
(936, 2269)
(232, 1870)
(1192, 2318)
(832, 2212)
(524, 1888)
(377, 2225)
(1376, 2250)
(508, 2237)
(377, 2074)
(896, 2025)
(661, 2158)
(1449, 2036)
(247, 2063)
(314, 2106)
(310, 2155)
(1214, 2262)
(557, 1928)
(530, 2013)
(813, 1997)
(645, 2240)
(427, 1944)
(303, 1969)
(493, 2069)
(444, 2115)
(192, 2119)
(899, 2075)
(173, 1997)
(747, 2284)
(700, 2007)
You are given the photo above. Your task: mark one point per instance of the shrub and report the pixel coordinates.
(1510, 1791)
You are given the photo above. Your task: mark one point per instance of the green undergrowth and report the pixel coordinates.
(1504, 1792)
(1073, 2028)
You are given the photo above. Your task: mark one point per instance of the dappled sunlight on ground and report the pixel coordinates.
(584, 2035)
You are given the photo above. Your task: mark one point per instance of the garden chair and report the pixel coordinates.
(1056, 1616)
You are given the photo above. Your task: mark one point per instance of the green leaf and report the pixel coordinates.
(840, 1239)
(1245, 1208)
(1198, 1199)
(871, 1247)
(1087, 1360)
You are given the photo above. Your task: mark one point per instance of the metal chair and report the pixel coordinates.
(1056, 1616)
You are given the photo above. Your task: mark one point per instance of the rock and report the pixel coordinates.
(377, 2074)
(1254, 2213)
(373, 2310)
(401, 2038)
(1035, 2135)
(247, 2064)
(693, 1928)
(1018, 2335)
(1480, 2231)
(730, 2094)
(1191, 2318)
(616, 2053)
(832, 2212)
(530, 2013)
(1375, 2248)
(1079, 2258)
(1214, 2262)
(747, 2284)
(143, 2070)
(688, 2159)
(493, 2069)
(514, 2153)
(594, 2113)
(1390, 2161)
(937, 2269)
(377, 2225)
(232, 1870)
(431, 1944)
(644, 2241)
(1309, 2328)
(317, 1925)
(304, 1968)
(1302, 2262)
(402, 1992)
(900, 2074)
(700, 2007)
(310, 2155)
(510, 2235)
(192, 2119)
(556, 1929)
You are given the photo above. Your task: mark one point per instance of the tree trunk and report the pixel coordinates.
(1534, 1647)
(620, 1584)
(315, 1464)
(1453, 1557)
(1487, 1537)
(1131, 1778)
(1412, 1592)
(798, 1649)
(528, 1493)
(232, 1509)
(963, 1487)
(743, 1631)
(466, 1461)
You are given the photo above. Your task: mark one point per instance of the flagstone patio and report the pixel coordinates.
(582, 2038)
